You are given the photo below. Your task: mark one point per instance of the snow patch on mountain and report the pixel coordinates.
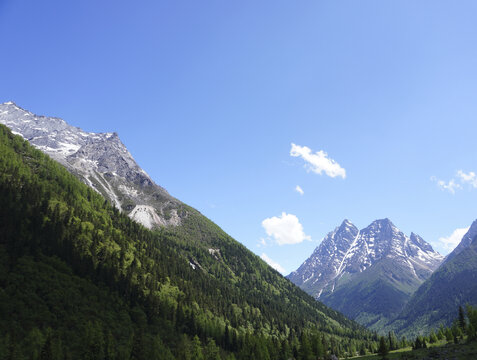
(347, 251)
(101, 161)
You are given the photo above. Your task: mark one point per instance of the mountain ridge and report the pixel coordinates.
(464, 243)
(453, 284)
(351, 269)
(101, 161)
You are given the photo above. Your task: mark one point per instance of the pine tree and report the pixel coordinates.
(432, 337)
(211, 351)
(47, 349)
(35, 341)
(227, 341)
(441, 332)
(317, 346)
(462, 323)
(383, 349)
(393, 345)
(138, 348)
(472, 327)
(285, 352)
(305, 352)
(197, 349)
(110, 346)
(449, 335)
(417, 343)
(403, 343)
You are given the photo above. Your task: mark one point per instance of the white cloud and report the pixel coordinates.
(451, 241)
(318, 162)
(285, 229)
(450, 186)
(272, 263)
(470, 178)
(453, 184)
(299, 190)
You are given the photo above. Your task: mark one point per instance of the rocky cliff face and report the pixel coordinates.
(367, 274)
(326, 262)
(101, 161)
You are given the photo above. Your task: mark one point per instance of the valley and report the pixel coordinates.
(170, 278)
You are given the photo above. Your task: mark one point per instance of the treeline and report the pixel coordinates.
(80, 280)
(464, 328)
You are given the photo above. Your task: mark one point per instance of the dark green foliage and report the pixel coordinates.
(362, 350)
(392, 340)
(462, 322)
(449, 335)
(432, 337)
(441, 333)
(472, 327)
(420, 343)
(383, 348)
(305, 352)
(80, 280)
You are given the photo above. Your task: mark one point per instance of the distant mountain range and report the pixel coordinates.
(367, 274)
(101, 161)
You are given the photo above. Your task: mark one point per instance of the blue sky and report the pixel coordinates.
(209, 97)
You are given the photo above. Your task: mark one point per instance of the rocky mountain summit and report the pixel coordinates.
(367, 274)
(101, 161)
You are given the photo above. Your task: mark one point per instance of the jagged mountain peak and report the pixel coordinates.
(383, 222)
(352, 269)
(100, 160)
(346, 222)
(346, 225)
(419, 241)
(12, 104)
(349, 250)
(382, 225)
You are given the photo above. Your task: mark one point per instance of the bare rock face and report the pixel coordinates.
(101, 161)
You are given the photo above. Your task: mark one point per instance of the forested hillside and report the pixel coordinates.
(80, 280)
(436, 301)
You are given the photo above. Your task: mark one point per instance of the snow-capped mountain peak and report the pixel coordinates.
(367, 274)
(347, 250)
(101, 161)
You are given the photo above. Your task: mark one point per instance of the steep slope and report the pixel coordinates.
(464, 243)
(79, 278)
(437, 300)
(369, 274)
(326, 262)
(101, 161)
